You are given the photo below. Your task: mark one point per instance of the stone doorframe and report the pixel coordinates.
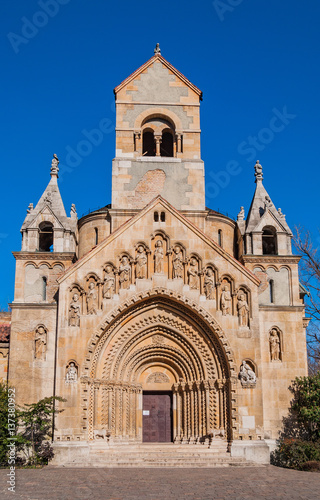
(204, 393)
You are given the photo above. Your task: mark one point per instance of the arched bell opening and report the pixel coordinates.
(46, 237)
(163, 338)
(148, 143)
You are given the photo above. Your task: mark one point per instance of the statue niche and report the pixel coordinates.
(40, 343)
(209, 285)
(124, 273)
(71, 373)
(243, 309)
(247, 375)
(177, 263)
(275, 345)
(226, 299)
(193, 274)
(92, 298)
(141, 263)
(109, 282)
(74, 310)
(159, 257)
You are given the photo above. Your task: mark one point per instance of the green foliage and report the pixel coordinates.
(294, 454)
(299, 442)
(36, 423)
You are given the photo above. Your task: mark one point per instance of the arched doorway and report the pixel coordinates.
(159, 352)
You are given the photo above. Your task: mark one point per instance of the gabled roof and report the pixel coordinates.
(166, 205)
(158, 57)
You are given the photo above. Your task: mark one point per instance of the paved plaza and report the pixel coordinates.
(230, 483)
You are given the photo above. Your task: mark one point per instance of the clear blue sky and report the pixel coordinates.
(252, 59)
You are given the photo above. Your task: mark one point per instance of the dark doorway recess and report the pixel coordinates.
(157, 417)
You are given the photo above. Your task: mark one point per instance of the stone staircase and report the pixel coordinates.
(148, 455)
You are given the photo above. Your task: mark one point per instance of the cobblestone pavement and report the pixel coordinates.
(230, 483)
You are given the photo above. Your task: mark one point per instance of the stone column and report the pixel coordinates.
(158, 139)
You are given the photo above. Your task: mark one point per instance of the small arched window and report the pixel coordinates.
(148, 144)
(163, 217)
(44, 288)
(269, 241)
(156, 217)
(166, 147)
(271, 291)
(96, 235)
(220, 239)
(46, 237)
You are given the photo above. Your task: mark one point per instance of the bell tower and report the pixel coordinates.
(157, 139)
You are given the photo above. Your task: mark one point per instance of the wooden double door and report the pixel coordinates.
(157, 417)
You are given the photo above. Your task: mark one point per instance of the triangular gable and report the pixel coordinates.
(146, 65)
(268, 219)
(46, 210)
(182, 219)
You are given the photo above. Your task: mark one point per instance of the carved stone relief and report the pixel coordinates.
(177, 263)
(109, 283)
(209, 286)
(71, 374)
(193, 274)
(40, 343)
(158, 339)
(274, 344)
(158, 378)
(158, 257)
(74, 311)
(243, 309)
(92, 298)
(226, 300)
(141, 263)
(124, 273)
(247, 375)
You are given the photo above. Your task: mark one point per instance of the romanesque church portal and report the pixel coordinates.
(159, 320)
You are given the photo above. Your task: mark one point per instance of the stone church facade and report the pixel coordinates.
(156, 318)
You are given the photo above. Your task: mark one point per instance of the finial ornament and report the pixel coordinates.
(54, 165)
(258, 171)
(157, 50)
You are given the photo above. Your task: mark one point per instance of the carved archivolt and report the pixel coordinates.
(163, 329)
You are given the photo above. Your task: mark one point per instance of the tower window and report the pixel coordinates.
(46, 237)
(148, 144)
(269, 241)
(162, 216)
(156, 217)
(166, 147)
(96, 235)
(220, 242)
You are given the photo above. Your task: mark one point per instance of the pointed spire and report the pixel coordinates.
(157, 50)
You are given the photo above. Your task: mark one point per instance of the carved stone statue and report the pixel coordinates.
(74, 311)
(274, 343)
(225, 300)
(157, 50)
(109, 283)
(158, 257)
(267, 201)
(258, 171)
(247, 375)
(30, 208)
(282, 215)
(124, 273)
(209, 284)
(241, 214)
(92, 299)
(141, 263)
(40, 343)
(243, 310)
(48, 198)
(177, 271)
(72, 374)
(193, 278)
(73, 211)
(54, 165)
